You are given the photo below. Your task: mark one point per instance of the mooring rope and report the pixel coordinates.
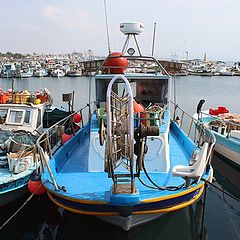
(205, 194)
(221, 190)
(28, 199)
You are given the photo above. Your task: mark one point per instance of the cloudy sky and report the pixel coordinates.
(64, 26)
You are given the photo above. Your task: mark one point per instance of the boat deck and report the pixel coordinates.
(94, 185)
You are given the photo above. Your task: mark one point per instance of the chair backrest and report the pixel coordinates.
(195, 170)
(200, 165)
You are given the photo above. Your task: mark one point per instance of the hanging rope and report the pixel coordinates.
(29, 198)
(204, 208)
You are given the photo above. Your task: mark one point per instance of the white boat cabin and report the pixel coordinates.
(16, 117)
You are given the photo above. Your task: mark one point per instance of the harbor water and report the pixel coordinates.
(216, 218)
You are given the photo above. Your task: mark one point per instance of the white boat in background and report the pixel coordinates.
(74, 73)
(24, 73)
(41, 72)
(226, 128)
(226, 71)
(203, 70)
(8, 70)
(58, 72)
(236, 69)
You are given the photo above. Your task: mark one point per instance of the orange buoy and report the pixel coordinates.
(66, 137)
(120, 63)
(137, 107)
(35, 185)
(77, 118)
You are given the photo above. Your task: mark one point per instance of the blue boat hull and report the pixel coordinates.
(11, 191)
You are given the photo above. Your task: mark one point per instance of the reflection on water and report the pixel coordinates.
(168, 226)
(42, 220)
(227, 175)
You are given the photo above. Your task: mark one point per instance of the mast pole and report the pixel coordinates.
(106, 22)
(154, 34)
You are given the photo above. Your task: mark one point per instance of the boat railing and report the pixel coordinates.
(194, 129)
(19, 153)
(51, 139)
(134, 61)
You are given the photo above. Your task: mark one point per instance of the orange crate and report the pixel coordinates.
(4, 98)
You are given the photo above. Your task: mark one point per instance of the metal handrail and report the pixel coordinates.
(47, 148)
(200, 132)
(133, 58)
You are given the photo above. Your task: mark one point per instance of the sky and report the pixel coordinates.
(64, 26)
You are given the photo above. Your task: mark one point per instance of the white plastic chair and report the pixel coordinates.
(196, 170)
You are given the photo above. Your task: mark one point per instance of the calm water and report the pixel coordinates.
(40, 219)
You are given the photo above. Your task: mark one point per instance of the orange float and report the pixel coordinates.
(77, 118)
(66, 137)
(117, 64)
(35, 185)
(137, 107)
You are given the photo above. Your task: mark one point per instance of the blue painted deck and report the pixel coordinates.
(94, 186)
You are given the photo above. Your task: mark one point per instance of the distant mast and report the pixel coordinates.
(205, 57)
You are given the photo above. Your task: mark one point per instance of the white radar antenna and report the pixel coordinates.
(131, 29)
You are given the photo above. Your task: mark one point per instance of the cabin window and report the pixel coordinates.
(3, 115)
(39, 118)
(118, 87)
(152, 91)
(15, 116)
(214, 128)
(27, 117)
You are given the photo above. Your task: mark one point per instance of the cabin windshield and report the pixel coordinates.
(15, 116)
(144, 91)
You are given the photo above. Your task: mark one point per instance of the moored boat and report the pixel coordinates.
(41, 72)
(74, 73)
(130, 161)
(21, 123)
(24, 73)
(226, 128)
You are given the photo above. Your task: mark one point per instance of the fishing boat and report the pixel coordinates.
(74, 73)
(8, 70)
(130, 161)
(41, 72)
(21, 123)
(58, 72)
(25, 72)
(226, 128)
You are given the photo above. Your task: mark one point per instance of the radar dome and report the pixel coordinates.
(131, 27)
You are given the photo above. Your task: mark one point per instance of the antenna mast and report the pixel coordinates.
(106, 22)
(154, 33)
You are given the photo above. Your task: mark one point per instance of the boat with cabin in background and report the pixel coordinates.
(21, 123)
(226, 128)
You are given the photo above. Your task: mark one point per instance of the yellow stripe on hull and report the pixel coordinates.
(164, 210)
